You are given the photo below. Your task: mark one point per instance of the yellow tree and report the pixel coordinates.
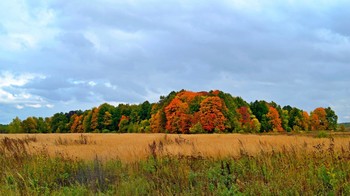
(305, 121)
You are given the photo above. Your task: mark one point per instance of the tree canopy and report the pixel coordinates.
(182, 112)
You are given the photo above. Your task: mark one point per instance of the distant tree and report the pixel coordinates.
(285, 120)
(29, 125)
(124, 124)
(318, 119)
(274, 119)
(77, 125)
(94, 119)
(145, 112)
(59, 123)
(178, 120)
(247, 121)
(305, 121)
(15, 126)
(41, 125)
(87, 121)
(211, 114)
(107, 120)
(260, 110)
(158, 121)
(332, 119)
(295, 116)
(4, 128)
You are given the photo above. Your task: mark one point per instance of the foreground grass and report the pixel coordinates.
(292, 171)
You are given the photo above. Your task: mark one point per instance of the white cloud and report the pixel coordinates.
(14, 92)
(19, 107)
(8, 79)
(109, 85)
(35, 105)
(50, 105)
(92, 83)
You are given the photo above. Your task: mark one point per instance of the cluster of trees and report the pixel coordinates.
(183, 112)
(105, 118)
(216, 111)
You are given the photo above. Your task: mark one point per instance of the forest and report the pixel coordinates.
(182, 112)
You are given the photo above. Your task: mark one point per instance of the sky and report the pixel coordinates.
(58, 56)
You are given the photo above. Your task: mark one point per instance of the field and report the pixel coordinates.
(164, 164)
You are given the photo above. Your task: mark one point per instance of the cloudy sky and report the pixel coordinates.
(66, 55)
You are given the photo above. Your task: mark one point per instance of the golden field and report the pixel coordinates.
(134, 147)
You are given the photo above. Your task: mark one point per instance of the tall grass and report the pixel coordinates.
(290, 171)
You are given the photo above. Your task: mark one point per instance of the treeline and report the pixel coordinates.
(182, 112)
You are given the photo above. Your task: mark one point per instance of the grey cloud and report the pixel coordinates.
(147, 49)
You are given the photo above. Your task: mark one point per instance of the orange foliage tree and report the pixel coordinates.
(211, 114)
(318, 119)
(158, 122)
(274, 119)
(77, 125)
(94, 119)
(178, 119)
(305, 121)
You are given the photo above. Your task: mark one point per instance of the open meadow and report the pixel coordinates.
(168, 164)
(135, 147)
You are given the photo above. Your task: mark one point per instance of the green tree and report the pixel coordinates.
(332, 119)
(145, 112)
(260, 110)
(41, 125)
(15, 126)
(59, 123)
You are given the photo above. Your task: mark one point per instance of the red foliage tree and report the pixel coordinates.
(244, 115)
(247, 121)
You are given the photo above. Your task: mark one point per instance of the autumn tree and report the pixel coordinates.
(211, 114)
(158, 121)
(318, 119)
(94, 119)
(305, 121)
(274, 119)
(77, 124)
(178, 120)
(123, 124)
(247, 121)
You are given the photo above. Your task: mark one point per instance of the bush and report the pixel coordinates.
(322, 134)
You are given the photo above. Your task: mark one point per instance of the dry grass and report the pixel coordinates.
(135, 147)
